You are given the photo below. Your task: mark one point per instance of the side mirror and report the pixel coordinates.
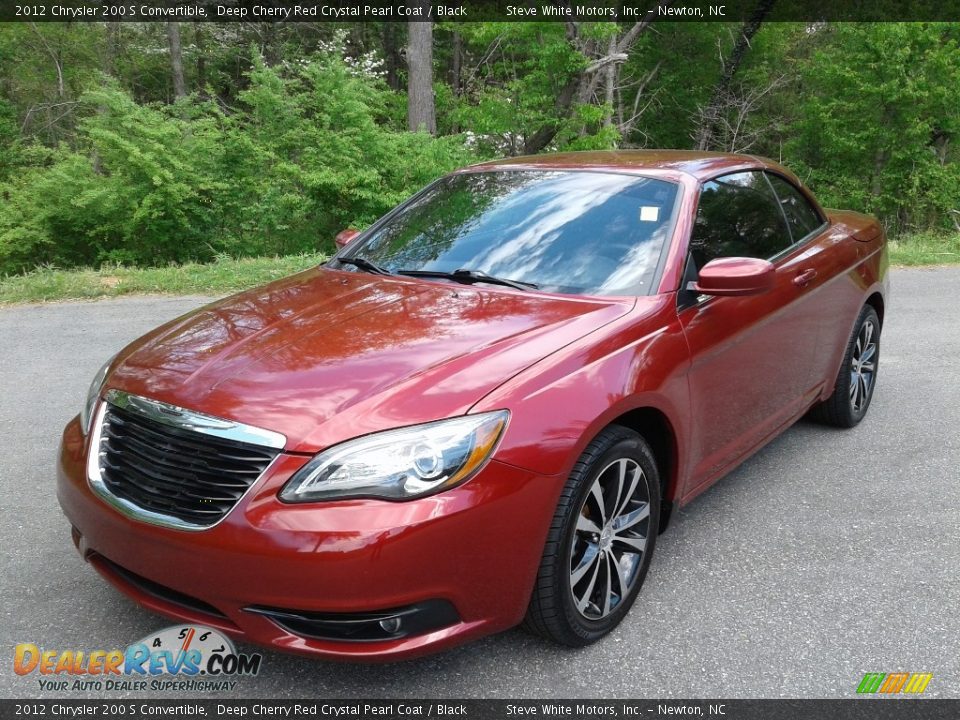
(344, 237)
(735, 276)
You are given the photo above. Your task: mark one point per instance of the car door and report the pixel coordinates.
(828, 253)
(750, 356)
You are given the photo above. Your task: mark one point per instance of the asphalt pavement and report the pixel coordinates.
(827, 555)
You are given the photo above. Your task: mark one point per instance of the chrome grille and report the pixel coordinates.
(172, 466)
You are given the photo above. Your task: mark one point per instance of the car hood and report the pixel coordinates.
(326, 355)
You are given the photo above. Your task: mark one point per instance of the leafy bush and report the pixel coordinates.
(314, 151)
(874, 132)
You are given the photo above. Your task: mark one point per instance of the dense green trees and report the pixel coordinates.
(319, 145)
(146, 143)
(884, 102)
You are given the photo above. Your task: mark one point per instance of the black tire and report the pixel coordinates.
(851, 398)
(553, 611)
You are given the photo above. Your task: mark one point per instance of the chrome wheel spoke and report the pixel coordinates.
(868, 353)
(589, 559)
(635, 475)
(596, 492)
(585, 524)
(628, 520)
(609, 587)
(622, 584)
(621, 479)
(583, 602)
(633, 544)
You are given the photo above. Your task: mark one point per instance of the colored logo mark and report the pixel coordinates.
(891, 683)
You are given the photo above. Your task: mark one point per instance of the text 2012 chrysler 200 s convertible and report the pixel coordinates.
(481, 410)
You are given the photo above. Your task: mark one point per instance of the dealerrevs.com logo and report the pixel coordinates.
(189, 658)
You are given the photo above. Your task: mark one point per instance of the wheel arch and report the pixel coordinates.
(659, 432)
(876, 302)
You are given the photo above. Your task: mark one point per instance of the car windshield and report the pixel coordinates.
(570, 232)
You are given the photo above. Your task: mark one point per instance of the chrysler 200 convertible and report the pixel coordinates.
(482, 410)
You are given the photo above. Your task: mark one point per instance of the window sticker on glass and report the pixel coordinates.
(649, 213)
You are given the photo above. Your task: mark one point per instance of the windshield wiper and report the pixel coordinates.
(469, 276)
(364, 264)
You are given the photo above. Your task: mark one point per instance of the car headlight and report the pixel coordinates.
(400, 464)
(93, 394)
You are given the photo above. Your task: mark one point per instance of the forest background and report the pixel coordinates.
(146, 145)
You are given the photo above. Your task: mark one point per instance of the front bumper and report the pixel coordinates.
(475, 548)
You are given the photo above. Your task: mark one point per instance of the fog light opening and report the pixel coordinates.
(391, 625)
(369, 626)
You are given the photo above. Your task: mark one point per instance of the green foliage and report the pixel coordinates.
(140, 192)
(925, 248)
(514, 93)
(880, 113)
(294, 131)
(223, 275)
(315, 135)
(867, 114)
(680, 83)
(152, 183)
(9, 139)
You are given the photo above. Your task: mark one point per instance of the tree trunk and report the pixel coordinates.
(545, 135)
(456, 74)
(201, 44)
(421, 112)
(270, 42)
(610, 82)
(110, 66)
(57, 61)
(176, 60)
(582, 86)
(456, 65)
(391, 55)
(711, 113)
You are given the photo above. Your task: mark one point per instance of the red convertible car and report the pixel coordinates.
(481, 411)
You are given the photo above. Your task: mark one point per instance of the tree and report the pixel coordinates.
(176, 61)
(55, 57)
(711, 114)
(296, 130)
(875, 128)
(421, 108)
(603, 59)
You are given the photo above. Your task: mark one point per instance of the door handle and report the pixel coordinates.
(805, 278)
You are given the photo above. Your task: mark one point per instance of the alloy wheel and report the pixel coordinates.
(863, 366)
(610, 539)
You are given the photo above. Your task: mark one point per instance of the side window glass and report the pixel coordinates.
(738, 216)
(801, 215)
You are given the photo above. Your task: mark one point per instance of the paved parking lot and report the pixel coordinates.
(828, 555)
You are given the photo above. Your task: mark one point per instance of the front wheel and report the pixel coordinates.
(600, 542)
(853, 392)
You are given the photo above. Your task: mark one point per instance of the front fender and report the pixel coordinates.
(560, 404)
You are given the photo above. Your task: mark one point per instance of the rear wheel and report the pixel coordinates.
(858, 375)
(600, 542)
